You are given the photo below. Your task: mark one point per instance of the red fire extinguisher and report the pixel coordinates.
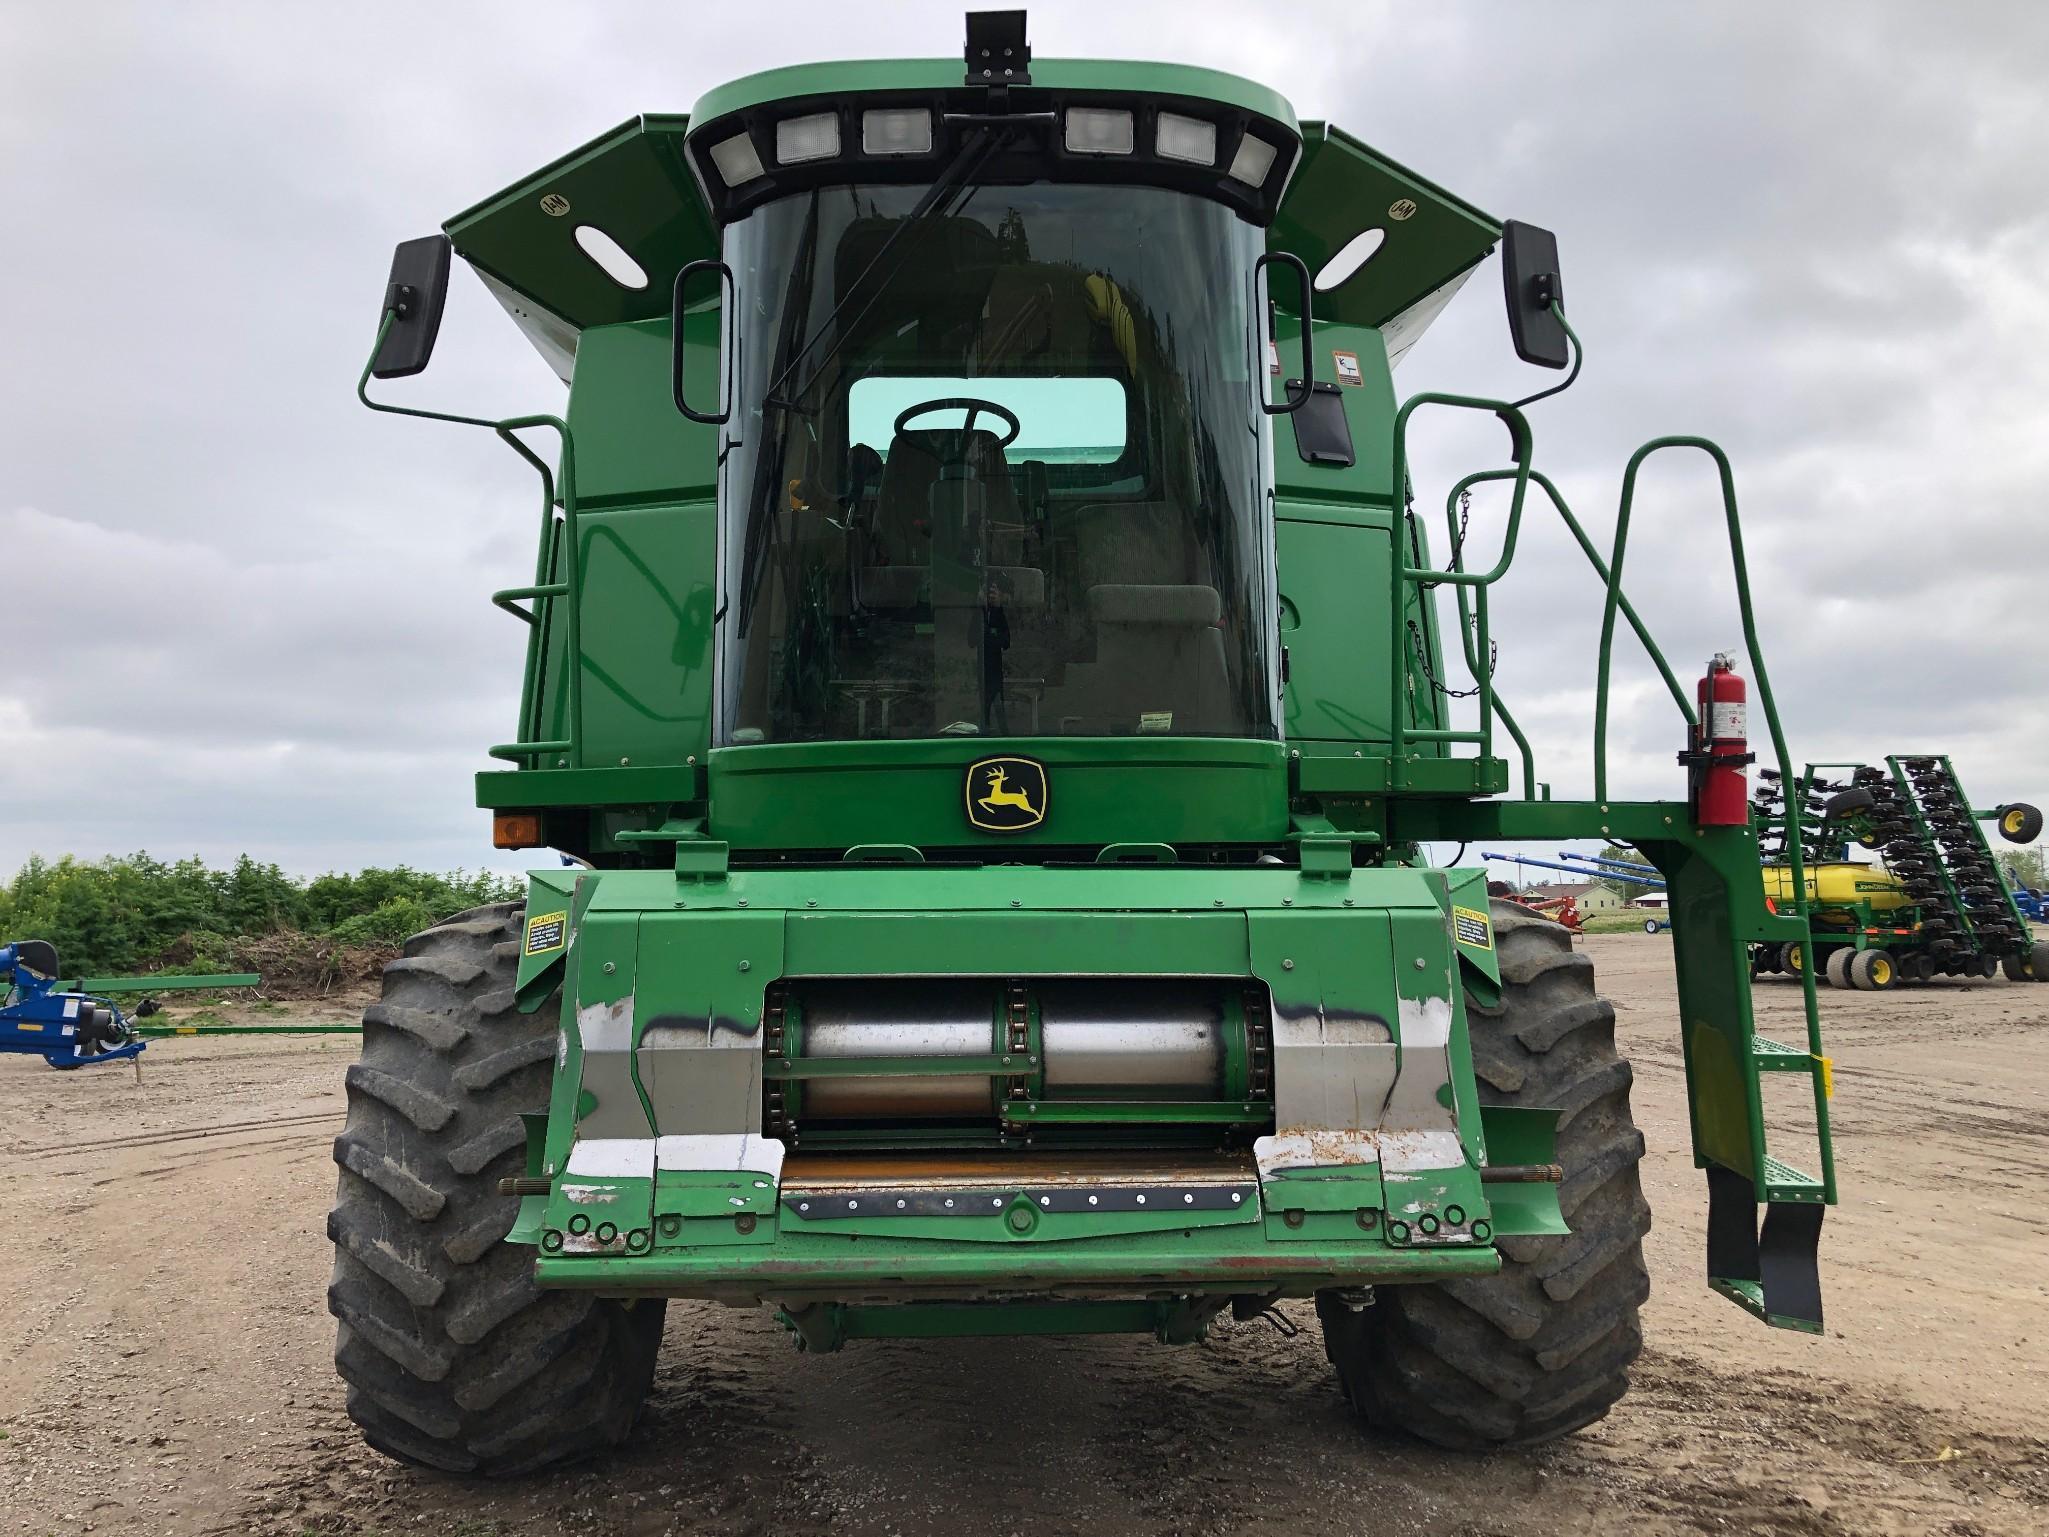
(1716, 783)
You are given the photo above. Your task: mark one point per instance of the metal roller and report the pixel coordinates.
(1132, 1039)
(1109, 1039)
(897, 1019)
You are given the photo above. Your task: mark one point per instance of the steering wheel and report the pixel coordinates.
(973, 406)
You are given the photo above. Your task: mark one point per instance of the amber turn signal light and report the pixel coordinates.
(515, 829)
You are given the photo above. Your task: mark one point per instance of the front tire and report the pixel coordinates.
(454, 1359)
(1542, 1348)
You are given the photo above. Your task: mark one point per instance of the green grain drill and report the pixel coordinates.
(994, 687)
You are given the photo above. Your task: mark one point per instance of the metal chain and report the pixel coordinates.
(776, 1121)
(1259, 1046)
(1430, 677)
(1458, 540)
(1017, 1042)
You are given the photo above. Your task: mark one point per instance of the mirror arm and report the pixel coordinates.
(1578, 357)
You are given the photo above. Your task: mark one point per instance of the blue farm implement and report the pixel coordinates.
(39, 1015)
(1591, 867)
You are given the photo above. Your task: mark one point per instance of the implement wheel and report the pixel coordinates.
(1873, 970)
(2020, 823)
(1543, 1347)
(454, 1359)
(1836, 968)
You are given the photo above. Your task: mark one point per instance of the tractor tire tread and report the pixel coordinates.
(454, 1358)
(1543, 1347)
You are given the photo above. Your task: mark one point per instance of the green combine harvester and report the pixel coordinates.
(986, 669)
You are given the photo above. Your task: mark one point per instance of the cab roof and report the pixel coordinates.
(550, 246)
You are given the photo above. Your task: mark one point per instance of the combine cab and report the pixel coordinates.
(988, 675)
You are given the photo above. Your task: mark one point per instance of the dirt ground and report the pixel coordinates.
(164, 1351)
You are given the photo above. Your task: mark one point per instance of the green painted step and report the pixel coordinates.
(1783, 1182)
(1777, 1057)
(1749, 1296)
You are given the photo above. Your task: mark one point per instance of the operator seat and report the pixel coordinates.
(1155, 622)
(902, 549)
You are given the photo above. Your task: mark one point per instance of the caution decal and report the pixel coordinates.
(1472, 928)
(545, 932)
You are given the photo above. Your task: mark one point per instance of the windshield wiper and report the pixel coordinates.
(973, 155)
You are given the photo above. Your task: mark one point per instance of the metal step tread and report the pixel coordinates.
(1777, 1057)
(1783, 1182)
(1749, 1296)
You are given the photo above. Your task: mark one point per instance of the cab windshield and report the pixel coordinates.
(995, 471)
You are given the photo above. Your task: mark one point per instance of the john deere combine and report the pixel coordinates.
(985, 666)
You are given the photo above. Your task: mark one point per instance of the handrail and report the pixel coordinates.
(1402, 573)
(1543, 482)
(542, 589)
(1789, 811)
(1476, 643)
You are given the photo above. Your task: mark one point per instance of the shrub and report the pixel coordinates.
(134, 912)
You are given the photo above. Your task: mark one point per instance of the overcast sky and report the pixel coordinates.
(239, 613)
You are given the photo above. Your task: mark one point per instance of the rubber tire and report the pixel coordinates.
(1544, 1347)
(2019, 822)
(1873, 971)
(1792, 958)
(2019, 968)
(1836, 969)
(453, 1357)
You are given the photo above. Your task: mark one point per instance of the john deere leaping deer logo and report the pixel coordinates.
(1006, 795)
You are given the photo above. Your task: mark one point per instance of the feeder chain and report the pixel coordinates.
(775, 1117)
(1259, 1046)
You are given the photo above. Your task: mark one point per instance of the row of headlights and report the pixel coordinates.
(892, 131)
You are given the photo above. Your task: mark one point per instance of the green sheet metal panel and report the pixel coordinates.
(833, 795)
(1342, 188)
(1369, 406)
(631, 441)
(631, 183)
(647, 629)
(1336, 634)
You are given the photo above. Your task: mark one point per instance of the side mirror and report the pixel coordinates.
(1529, 280)
(678, 344)
(413, 298)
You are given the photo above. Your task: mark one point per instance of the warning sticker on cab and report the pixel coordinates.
(545, 932)
(1471, 928)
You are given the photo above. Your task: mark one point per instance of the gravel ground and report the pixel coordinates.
(164, 1363)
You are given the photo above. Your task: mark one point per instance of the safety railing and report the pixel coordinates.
(549, 587)
(1473, 589)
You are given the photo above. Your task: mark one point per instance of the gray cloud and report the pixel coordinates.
(1814, 233)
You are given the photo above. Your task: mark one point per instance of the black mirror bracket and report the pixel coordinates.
(1578, 357)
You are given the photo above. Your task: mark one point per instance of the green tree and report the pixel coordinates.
(124, 912)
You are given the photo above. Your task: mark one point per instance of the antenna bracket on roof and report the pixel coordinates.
(997, 53)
